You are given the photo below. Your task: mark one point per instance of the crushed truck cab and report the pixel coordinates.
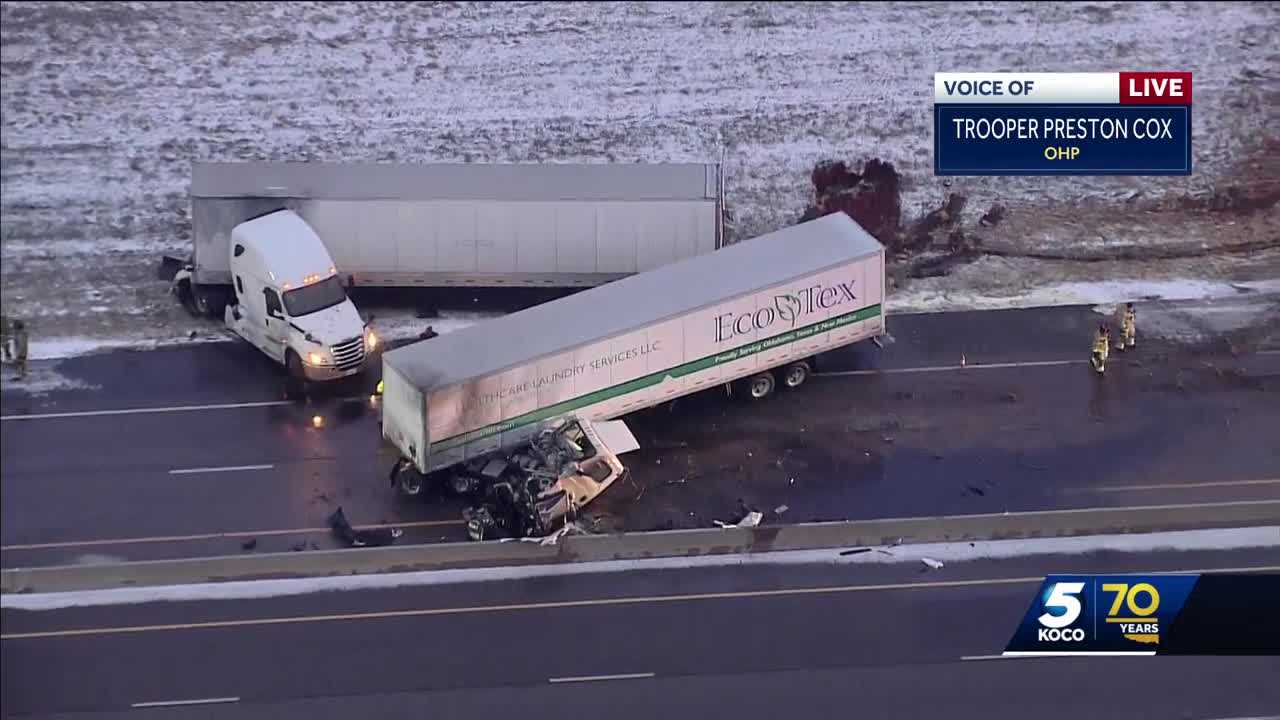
(290, 303)
(536, 488)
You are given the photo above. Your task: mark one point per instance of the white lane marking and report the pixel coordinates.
(228, 468)
(841, 373)
(593, 678)
(1024, 654)
(1179, 486)
(949, 368)
(273, 403)
(560, 604)
(175, 703)
(144, 411)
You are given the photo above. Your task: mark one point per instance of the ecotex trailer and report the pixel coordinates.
(742, 312)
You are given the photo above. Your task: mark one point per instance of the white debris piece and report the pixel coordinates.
(751, 520)
(781, 509)
(935, 564)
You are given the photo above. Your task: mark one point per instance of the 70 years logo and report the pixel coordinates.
(1112, 614)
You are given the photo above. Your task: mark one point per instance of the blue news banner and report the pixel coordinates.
(1068, 139)
(1156, 614)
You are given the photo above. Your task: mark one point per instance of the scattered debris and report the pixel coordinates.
(975, 490)
(780, 509)
(1011, 397)
(681, 481)
(249, 544)
(855, 551)
(361, 538)
(752, 519)
(933, 564)
(566, 529)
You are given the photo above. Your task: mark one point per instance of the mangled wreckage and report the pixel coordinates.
(534, 490)
(511, 409)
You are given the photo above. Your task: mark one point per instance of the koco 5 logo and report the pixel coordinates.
(1056, 626)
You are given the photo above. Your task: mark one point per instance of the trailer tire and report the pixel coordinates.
(761, 386)
(210, 301)
(462, 485)
(411, 482)
(795, 374)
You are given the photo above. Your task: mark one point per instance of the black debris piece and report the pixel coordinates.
(855, 551)
(360, 538)
(249, 544)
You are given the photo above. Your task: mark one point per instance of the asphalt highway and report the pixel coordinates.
(759, 641)
(192, 451)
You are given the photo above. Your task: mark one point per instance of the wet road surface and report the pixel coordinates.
(1166, 425)
(758, 641)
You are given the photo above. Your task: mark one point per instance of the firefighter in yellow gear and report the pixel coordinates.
(1101, 348)
(1128, 328)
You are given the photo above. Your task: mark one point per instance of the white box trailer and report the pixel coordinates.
(739, 312)
(465, 224)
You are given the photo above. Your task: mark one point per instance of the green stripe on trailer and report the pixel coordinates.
(688, 368)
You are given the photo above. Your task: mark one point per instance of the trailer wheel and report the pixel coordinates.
(210, 301)
(761, 386)
(462, 485)
(411, 482)
(795, 374)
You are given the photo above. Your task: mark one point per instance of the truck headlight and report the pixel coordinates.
(316, 358)
(371, 340)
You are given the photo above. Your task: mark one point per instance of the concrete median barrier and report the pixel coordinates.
(628, 546)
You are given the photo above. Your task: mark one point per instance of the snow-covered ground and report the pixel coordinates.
(105, 105)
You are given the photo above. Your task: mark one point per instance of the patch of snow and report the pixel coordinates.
(66, 347)
(43, 380)
(945, 553)
(925, 299)
(400, 324)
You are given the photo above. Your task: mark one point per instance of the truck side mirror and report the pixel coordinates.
(275, 313)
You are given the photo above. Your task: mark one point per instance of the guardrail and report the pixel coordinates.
(674, 543)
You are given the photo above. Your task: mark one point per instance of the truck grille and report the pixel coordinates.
(349, 354)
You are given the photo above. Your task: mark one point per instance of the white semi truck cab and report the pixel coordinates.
(289, 300)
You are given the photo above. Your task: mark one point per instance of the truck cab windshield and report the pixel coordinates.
(314, 297)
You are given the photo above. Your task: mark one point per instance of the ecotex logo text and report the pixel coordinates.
(789, 308)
